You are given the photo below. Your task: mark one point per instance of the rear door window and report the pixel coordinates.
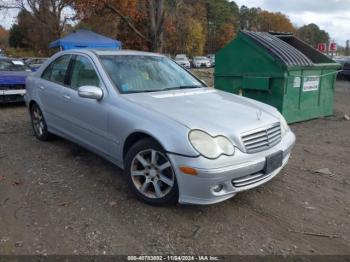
(57, 70)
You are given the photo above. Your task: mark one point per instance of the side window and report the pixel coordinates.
(59, 69)
(47, 72)
(56, 71)
(83, 73)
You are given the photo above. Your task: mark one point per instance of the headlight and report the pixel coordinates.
(210, 147)
(284, 124)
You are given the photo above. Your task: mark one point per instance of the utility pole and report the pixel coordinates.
(347, 48)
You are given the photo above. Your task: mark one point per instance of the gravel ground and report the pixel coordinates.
(57, 198)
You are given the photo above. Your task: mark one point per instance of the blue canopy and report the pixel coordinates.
(85, 39)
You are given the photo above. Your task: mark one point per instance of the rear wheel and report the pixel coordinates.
(39, 123)
(150, 174)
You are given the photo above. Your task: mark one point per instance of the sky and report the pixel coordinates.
(7, 18)
(330, 15)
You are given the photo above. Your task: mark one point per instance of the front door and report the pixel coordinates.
(85, 119)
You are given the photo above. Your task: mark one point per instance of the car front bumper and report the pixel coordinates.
(16, 95)
(234, 173)
(185, 65)
(201, 65)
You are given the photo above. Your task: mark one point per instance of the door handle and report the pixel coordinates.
(66, 97)
(42, 87)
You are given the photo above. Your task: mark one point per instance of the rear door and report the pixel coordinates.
(51, 84)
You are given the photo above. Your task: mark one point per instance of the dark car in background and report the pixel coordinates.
(344, 74)
(13, 74)
(35, 62)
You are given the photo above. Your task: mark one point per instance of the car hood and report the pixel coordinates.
(13, 77)
(213, 111)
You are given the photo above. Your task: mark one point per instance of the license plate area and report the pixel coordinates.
(273, 162)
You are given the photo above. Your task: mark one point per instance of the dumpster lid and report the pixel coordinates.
(288, 54)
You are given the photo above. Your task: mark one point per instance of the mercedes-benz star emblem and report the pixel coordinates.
(258, 114)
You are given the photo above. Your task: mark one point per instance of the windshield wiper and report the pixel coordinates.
(182, 87)
(165, 89)
(144, 91)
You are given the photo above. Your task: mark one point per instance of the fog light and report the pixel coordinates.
(217, 188)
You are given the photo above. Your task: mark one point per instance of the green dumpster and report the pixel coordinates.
(280, 70)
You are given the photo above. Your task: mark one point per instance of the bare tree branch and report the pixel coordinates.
(126, 20)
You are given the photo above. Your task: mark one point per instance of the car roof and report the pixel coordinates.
(112, 52)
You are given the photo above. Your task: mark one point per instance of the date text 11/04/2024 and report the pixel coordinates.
(172, 258)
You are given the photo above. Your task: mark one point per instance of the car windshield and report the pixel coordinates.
(200, 58)
(137, 74)
(13, 65)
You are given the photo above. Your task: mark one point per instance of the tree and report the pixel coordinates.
(222, 16)
(185, 27)
(195, 38)
(249, 18)
(313, 35)
(4, 36)
(41, 21)
(131, 13)
(256, 19)
(278, 22)
(16, 38)
(94, 20)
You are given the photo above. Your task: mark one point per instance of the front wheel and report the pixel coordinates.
(150, 174)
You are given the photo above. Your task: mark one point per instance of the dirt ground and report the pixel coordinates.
(57, 198)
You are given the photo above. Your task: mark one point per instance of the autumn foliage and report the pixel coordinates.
(193, 27)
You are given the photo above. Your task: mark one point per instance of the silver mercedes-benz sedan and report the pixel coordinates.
(176, 139)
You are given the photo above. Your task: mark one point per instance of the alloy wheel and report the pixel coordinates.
(38, 121)
(152, 174)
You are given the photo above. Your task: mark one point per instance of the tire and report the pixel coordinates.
(39, 124)
(150, 175)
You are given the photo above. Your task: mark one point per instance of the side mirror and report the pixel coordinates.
(92, 92)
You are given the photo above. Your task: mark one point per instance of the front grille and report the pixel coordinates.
(249, 180)
(12, 87)
(262, 139)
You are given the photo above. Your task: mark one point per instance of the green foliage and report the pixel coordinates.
(248, 17)
(222, 15)
(222, 11)
(16, 38)
(256, 19)
(313, 35)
